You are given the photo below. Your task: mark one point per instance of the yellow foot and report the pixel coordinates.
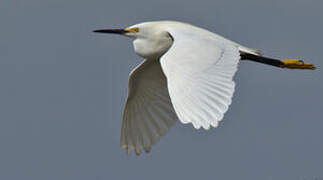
(296, 64)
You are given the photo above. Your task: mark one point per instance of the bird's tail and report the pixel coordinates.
(285, 63)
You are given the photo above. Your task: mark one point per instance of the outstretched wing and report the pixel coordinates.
(199, 68)
(148, 112)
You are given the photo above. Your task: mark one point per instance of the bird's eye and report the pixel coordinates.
(132, 29)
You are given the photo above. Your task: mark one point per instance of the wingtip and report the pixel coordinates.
(130, 149)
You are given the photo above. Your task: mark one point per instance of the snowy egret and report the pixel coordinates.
(187, 75)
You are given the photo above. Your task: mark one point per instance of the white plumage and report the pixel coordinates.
(187, 75)
(190, 82)
(148, 111)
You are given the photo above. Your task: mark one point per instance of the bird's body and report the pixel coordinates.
(187, 75)
(157, 38)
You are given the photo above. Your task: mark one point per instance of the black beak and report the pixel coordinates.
(111, 31)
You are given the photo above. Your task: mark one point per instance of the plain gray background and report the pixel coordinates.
(63, 89)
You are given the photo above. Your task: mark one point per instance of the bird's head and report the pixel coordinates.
(151, 39)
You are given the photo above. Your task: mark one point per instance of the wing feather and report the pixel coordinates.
(199, 71)
(148, 112)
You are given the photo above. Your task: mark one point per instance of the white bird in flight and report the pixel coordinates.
(187, 75)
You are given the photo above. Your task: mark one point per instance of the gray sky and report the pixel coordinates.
(63, 89)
